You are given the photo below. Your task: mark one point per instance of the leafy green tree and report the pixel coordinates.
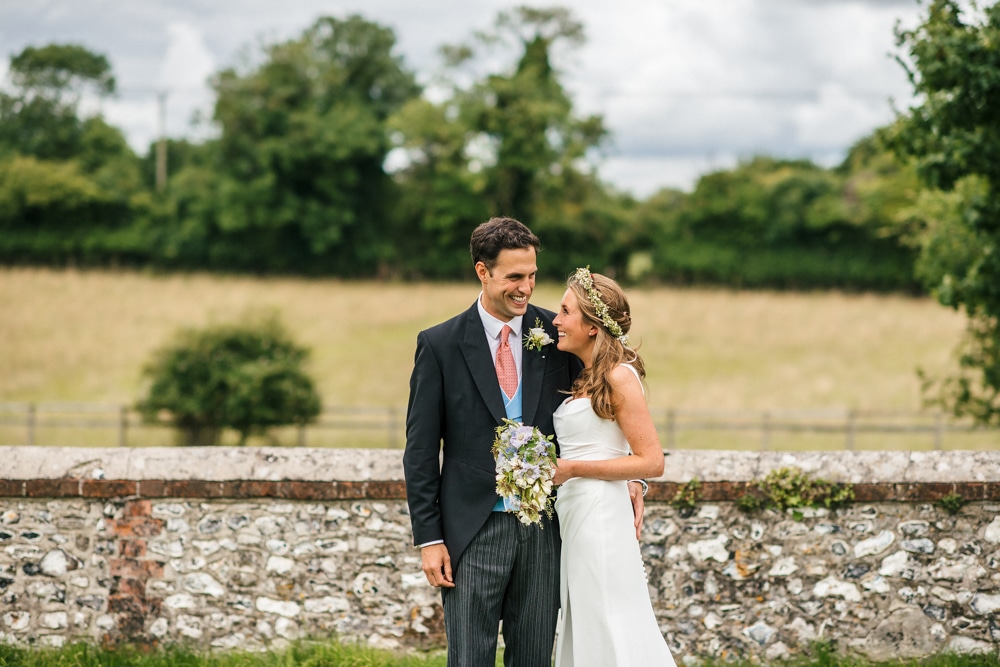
(524, 137)
(69, 183)
(40, 116)
(525, 114)
(247, 377)
(953, 135)
(778, 223)
(302, 186)
(440, 198)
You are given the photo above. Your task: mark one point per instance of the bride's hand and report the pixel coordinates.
(562, 472)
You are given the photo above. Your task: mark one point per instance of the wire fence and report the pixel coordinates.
(108, 424)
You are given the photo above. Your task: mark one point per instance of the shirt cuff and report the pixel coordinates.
(645, 487)
(427, 544)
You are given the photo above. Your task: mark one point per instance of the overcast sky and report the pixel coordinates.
(685, 86)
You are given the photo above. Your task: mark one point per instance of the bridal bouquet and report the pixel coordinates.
(526, 461)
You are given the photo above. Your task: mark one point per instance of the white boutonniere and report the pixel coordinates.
(536, 338)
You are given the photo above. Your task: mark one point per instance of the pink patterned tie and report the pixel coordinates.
(506, 371)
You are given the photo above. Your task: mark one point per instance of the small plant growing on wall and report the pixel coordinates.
(687, 497)
(791, 488)
(247, 377)
(952, 503)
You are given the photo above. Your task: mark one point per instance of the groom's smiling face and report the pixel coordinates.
(508, 286)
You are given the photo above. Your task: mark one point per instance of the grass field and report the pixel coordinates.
(85, 335)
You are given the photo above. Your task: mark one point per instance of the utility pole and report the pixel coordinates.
(161, 145)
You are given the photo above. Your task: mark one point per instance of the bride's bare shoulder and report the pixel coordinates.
(623, 375)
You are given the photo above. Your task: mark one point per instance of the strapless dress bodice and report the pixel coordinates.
(585, 436)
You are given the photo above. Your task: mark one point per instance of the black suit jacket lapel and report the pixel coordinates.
(476, 351)
(533, 370)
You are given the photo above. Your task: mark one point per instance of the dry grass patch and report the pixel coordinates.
(766, 350)
(85, 335)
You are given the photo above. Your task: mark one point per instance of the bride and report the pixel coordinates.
(606, 436)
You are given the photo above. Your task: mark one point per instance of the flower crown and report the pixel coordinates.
(587, 281)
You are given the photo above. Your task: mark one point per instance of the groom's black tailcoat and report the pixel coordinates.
(455, 398)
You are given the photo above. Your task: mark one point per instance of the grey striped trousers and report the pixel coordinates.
(509, 572)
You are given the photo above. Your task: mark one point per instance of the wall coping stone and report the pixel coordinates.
(360, 465)
(332, 474)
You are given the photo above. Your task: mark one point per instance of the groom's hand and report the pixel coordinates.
(436, 564)
(638, 505)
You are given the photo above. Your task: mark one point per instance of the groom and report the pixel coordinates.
(469, 374)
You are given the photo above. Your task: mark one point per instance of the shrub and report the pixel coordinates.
(790, 488)
(247, 377)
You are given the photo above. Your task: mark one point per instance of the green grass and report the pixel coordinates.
(333, 654)
(300, 654)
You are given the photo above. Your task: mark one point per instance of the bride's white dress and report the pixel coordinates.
(607, 617)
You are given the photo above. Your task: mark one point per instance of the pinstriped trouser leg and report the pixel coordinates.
(509, 571)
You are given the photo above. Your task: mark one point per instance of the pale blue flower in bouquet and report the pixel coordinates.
(521, 435)
(525, 466)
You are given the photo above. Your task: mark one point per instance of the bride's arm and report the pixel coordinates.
(632, 415)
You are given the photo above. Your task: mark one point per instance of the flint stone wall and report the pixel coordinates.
(251, 548)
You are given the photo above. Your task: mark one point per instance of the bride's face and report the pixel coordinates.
(575, 335)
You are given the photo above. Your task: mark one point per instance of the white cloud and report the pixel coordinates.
(835, 118)
(137, 118)
(643, 176)
(183, 71)
(186, 68)
(188, 62)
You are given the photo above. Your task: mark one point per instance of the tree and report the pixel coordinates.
(780, 223)
(41, 117)
(953, 135)
(524, 137)
(247, 377)
(302, 185)
(69, 182)
(440, 198)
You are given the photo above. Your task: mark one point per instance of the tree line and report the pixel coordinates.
(297, 180)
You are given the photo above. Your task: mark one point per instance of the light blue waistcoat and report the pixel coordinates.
(515, 413)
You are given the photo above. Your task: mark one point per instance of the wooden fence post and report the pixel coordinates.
(31, 424)
(123, 426)
(851, 428)
(392, 426)
(938, 431)
(765, 430)
(671, 429)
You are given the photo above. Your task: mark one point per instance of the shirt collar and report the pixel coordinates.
(494, 326)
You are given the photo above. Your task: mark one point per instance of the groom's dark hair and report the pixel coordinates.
(497, 234)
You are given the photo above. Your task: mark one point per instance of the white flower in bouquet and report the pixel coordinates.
(526, 463)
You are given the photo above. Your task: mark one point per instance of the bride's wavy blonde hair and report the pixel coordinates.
(609, 351)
